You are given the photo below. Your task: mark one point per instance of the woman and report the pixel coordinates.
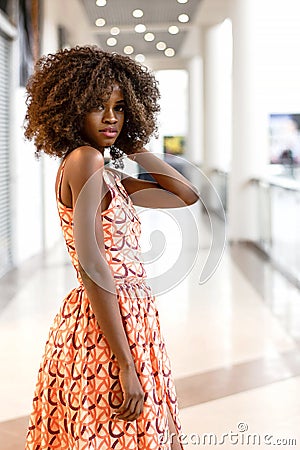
(105, 379)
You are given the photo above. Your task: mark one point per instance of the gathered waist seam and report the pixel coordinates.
(119, 282)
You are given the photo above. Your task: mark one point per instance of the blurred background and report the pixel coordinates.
(228, 72)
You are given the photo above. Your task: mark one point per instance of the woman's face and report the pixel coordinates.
(102, 125)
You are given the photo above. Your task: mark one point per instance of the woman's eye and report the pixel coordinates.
(100, 108)
(120, 108)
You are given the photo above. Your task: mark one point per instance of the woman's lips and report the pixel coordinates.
(109, 132)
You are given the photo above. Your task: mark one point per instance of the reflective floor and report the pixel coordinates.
(233, 341)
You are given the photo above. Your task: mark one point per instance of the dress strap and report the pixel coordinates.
(116, 185)
(110, 181)
(60, 180)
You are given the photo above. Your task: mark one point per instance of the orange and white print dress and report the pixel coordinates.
(78, 387)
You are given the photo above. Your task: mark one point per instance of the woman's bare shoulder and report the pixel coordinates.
(81, 164)
(85, 156)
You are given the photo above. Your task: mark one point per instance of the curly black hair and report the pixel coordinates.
(68, 84)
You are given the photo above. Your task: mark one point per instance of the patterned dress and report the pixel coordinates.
(78, 388)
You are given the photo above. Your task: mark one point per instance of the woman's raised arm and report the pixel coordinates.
(169, 190)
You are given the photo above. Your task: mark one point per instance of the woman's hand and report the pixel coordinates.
(133, 395)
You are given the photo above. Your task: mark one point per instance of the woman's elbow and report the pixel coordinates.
(97, 275)
(190, 197)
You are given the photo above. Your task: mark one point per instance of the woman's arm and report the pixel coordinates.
(84, 173)
(170, 189)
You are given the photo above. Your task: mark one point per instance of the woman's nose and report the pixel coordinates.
(109, 116)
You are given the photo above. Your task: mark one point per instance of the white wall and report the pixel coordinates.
(217, 95)
(27, 192)
(277, 47)
(195, 142)
(173, 117)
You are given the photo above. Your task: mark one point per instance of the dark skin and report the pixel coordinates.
(101, 128)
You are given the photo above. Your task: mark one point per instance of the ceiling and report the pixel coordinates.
(158, 16)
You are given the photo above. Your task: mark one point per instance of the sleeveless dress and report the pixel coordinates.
(78, 387)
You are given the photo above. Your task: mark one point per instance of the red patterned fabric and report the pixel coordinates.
(78, 387)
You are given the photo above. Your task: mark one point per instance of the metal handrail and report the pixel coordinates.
(282, 183)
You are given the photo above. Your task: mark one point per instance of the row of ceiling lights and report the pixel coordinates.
(141, 28)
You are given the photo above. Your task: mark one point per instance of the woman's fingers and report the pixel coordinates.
(131, 410)
(123, 408)
(130, 414)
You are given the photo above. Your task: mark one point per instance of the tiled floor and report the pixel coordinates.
(233, 343)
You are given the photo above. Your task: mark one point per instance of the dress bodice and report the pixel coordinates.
(121, 228)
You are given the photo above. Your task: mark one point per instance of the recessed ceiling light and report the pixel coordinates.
(183, 18)
(149, 37)
(128, 50)
(173, 29)
(137, 13)
(111, 41)
(182, 1)
(140, 58)
(169, 52)
(114, 31)
(161, 45)
(101, 2)
(100, 22)
(140, 28)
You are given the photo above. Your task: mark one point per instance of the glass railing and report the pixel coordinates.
(278, 213)
(218, 185)
(278, 200)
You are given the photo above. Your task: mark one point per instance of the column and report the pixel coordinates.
(217, 96)
(250, 151)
